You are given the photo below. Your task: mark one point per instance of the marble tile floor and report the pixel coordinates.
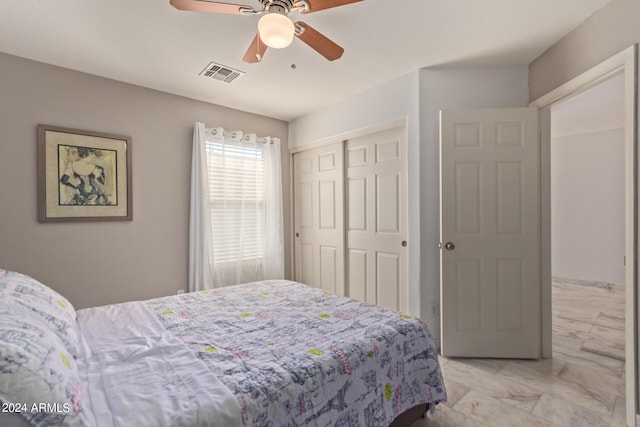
(582, 385)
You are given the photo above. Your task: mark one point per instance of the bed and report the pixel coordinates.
(270, 353)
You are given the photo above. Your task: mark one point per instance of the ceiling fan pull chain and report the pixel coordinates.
(293, 55)
(258, 56)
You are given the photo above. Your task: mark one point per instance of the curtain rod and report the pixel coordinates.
(238, 134)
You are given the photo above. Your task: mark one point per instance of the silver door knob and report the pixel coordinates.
(449, 246)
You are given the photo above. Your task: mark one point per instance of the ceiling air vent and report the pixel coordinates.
(221, 73)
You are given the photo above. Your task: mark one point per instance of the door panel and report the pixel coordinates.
(305, 207)
(490, 208)
(327, 204)
(328, 273)
(357, 277)
(468, 294)
(388, 203)
(468, 212)
(510, 293)
(318, 217)
(510, 216)
(388, 279)
(305, 267)
(357, 204)
(376, 218)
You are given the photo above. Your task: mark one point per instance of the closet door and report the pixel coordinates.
(376, 225)
(319, 217)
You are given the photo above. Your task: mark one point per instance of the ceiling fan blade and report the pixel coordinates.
(318, 42)
(316, 5)
(256, 50)
(209, 6)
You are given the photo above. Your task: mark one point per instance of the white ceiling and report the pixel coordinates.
(151, 44)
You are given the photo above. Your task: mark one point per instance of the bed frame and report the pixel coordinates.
(410, 416)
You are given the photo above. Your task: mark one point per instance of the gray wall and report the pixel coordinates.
(607, 32)
(587, 206)
(107, 262)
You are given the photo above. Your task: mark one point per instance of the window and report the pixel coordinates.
(236, 175)
(235, 220)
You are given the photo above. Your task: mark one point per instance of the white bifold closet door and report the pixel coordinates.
(376, 219)
(319, 218)
(350, 220)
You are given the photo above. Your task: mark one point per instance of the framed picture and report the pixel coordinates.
(83, 175)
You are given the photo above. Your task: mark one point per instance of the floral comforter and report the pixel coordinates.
(294, 355)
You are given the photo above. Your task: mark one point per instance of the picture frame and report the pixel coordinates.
(83, 175)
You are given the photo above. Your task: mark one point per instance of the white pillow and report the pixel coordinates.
(38, 345)
(38, 375)
(19, 290)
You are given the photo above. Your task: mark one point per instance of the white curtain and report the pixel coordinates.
(236, 226)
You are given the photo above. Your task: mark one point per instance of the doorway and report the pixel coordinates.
(625, 62)
(588, 234)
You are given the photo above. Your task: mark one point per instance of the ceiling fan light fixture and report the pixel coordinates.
(276, 30)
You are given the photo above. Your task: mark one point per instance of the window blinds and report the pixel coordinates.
(236, 184)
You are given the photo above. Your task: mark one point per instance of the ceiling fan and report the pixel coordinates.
(275, 29)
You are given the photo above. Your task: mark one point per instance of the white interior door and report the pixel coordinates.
(318, 216)
(376, 202)
(490, 233)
